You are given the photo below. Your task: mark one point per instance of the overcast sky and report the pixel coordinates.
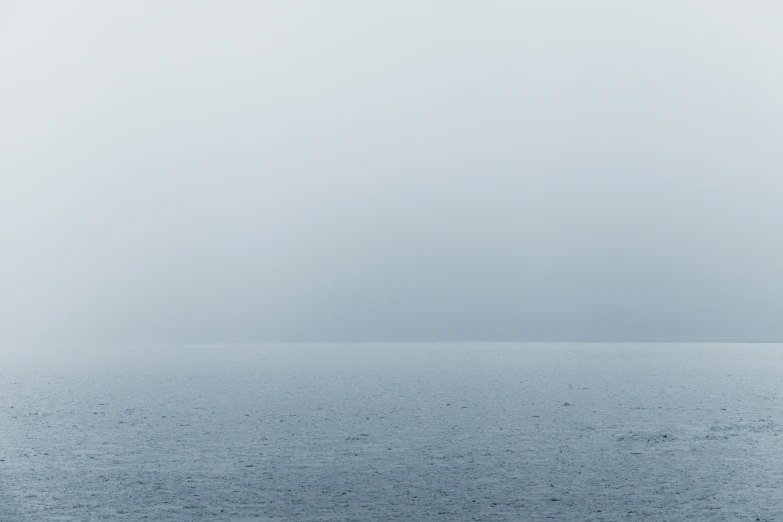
(400, 170)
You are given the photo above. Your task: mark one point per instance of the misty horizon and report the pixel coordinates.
(445, 261)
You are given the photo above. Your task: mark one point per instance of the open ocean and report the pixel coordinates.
(359, 432)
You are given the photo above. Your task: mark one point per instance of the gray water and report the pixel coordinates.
(445, 432)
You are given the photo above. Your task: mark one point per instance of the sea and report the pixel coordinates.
(376, 432)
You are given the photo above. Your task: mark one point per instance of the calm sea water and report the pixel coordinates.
(445, 432)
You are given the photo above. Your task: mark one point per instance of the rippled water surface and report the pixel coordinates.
(445, 432)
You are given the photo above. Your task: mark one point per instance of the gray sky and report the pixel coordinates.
(455, 170)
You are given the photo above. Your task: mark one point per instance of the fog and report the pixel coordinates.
(365, 171)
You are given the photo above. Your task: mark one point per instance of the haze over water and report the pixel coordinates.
(178, 177)
(503, 171)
